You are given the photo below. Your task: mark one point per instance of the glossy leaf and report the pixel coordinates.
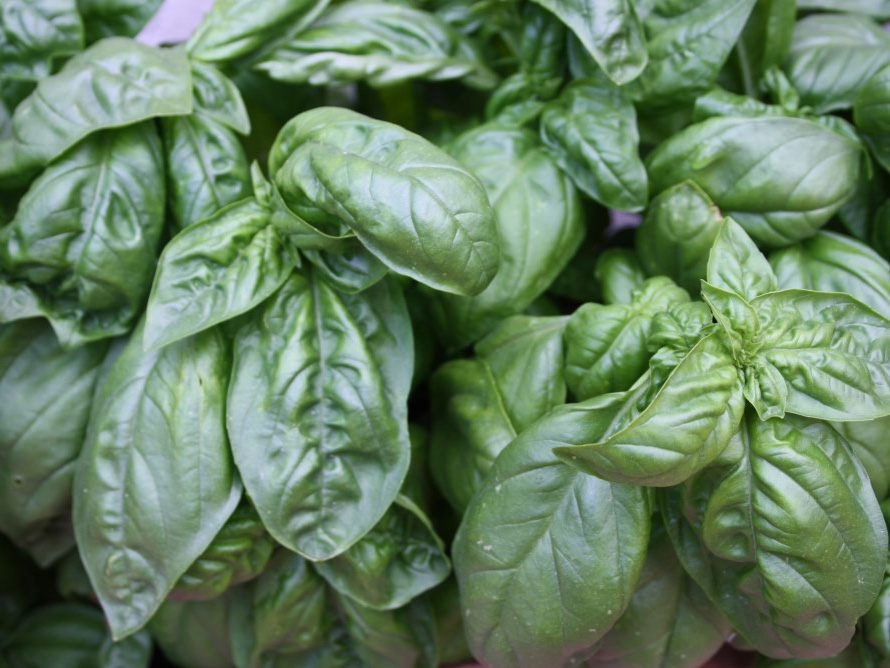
(832, 56)
(831, 262)
(665, 440)
(871, 112)
(780, 178)
(669, 623)
(591, 131)
(688, 43)
(195, 633)
(155, 482)
(868, 441)
(81, 248)
(45, 397)
(317, 414)
(619, 274)
(735, 264)
(107, 18)
(765, 41)
(434, 223)
(351, 268)
(785, 536)
(677, 233)
(880, 9)
(610, 31)
(234, 28)
(546, 557)
(399, 559)
(380, 43)
(480, 405)
(832, 351)
(217, 97)
(215, 270)
(34, 34)
(63, 109)
(238, 553)
(606, 346)
(539, 226)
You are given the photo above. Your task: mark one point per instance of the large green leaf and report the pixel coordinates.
(381, 43)
(45, 397)
(215, 270)
(832, 351)
(426, 215)
(669, 623)
(155, 481)
(688, 43)
(95, 90)
(81, 249)
(479, 405)
(591, 130)
(234, 28)
(780, 178)
(677, 233)
(396, 561)
(525, 188)
(831, 262)
(547, 557)
(107, 18)
(832, 56)
(610, 31)
(606, 345)
(661, 441)
(36, 33)
(785, 536)
(317, 411)
(868, 441)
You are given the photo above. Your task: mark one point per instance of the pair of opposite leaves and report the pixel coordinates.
(544, 581)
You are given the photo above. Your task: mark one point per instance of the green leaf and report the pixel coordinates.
(677, 233)
(317, 412)
(874, 624)
(350, 268)
(525, 187)
(784, 535)
(688, 43)
(479, 405)
(736, 316)
(67, 635)
(81, 249)
(217, 97)
(662, 441)
(832, 351)
(34, 34)
(546, 557)
(396, 561)
(107, 18)
(452, 640)
(207, 168)
(765, 41)
(831, 262)
(381, 43)
(735, 264)
(619, 274)
(238, 553)
(591, 130)
(868, 441)
(879, 9)
(195, 633)
(426, 216)
(871, 112)
(66, 107)
(669, 623)
(155, 481)
(45, 397)
(215, 270)
(832, 56)
(606, 347)
(610, 31)
(780, 178)
(234, 28)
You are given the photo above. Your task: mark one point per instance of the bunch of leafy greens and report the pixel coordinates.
(318, 348)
